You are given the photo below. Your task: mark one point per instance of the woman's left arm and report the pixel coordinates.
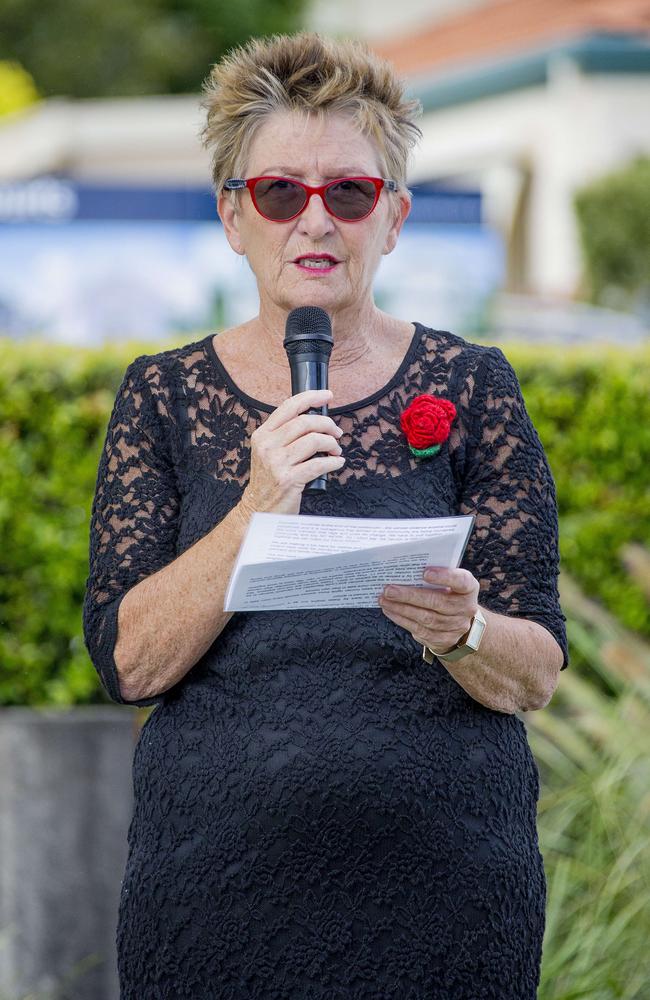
(518, 662)
(511, 564)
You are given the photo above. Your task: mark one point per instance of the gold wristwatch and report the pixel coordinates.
(468, 643)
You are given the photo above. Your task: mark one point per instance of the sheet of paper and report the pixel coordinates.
(289, 561)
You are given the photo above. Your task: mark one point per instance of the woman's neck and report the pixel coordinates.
(357, 334)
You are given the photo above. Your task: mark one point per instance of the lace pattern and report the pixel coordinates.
(176, 421)
(318, 813)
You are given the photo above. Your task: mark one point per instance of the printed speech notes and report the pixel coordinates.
(306, 561)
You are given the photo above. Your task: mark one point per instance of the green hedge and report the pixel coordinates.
(590, 406)
(55, 402)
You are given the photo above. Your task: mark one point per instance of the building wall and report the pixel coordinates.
(154, 139)
(529, 151)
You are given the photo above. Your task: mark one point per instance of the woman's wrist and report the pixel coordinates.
(448, 649)
(464, 637)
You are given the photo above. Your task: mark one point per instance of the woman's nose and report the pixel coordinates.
(315, 220)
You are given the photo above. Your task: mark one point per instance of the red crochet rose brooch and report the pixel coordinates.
(427, 423)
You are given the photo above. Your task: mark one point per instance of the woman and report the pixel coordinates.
(319, 811)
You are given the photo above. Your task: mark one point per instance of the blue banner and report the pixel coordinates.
(60, 199)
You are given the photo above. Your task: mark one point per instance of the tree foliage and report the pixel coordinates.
(88, 48)
(614, 221)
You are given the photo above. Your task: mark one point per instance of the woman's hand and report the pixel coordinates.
(282, 450)
(435, 618)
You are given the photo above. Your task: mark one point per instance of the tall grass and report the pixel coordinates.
(592, 745)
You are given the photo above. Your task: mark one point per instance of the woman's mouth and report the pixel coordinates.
(316, 264)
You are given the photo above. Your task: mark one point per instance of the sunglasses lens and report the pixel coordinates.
(351, 199)
(279, 199)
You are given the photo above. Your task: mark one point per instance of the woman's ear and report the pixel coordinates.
(399, 218)
(230, 219)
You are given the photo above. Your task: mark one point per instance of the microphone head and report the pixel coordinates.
(308, 329)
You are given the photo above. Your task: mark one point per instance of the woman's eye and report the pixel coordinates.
(345, 187)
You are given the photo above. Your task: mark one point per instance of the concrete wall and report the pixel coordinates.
(65, 808)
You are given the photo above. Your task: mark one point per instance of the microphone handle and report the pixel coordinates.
(310, 372)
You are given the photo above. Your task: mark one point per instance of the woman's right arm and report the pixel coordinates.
(168, 620)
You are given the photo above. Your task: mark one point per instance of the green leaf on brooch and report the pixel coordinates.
(425, 452)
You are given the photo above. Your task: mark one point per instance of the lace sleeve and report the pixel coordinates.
(133, 522)
(508, 485)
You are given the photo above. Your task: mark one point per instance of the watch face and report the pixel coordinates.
(476, 633)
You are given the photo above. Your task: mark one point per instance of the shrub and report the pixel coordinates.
(593, 751)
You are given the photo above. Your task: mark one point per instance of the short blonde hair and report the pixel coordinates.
(312, 74)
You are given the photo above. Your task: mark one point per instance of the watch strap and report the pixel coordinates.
(468, 643)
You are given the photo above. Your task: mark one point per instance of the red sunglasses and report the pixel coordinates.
(281, 199)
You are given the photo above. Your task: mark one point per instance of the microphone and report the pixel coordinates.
(308, 342)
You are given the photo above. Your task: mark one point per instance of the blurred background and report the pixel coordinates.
(525, 218)
(530, 229)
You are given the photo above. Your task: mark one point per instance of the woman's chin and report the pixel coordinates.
(315, 293)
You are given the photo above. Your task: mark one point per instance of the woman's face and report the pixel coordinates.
(298, 146)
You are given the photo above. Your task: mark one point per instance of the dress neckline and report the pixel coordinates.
(259, 405)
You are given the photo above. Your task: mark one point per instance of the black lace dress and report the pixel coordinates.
(318, 813)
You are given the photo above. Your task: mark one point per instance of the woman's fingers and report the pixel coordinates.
(443, 636)
(306, 446)
(291, 448)
(437, 617)
(427, 619)
(294, 405)
(458, 578)
(304, 424)
(448, 590)
(444, 601)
